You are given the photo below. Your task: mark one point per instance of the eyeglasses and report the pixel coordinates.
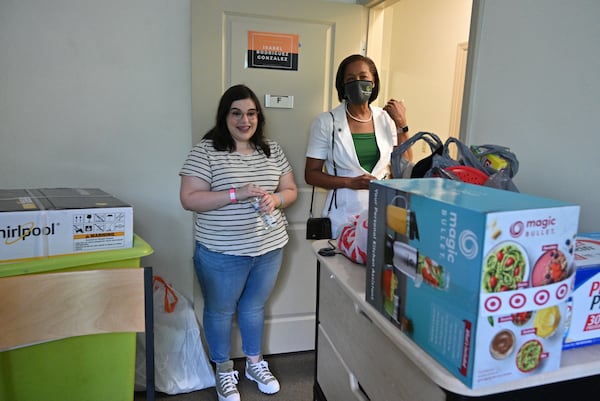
(237, 114)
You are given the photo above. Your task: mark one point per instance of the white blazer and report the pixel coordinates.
(349, 201)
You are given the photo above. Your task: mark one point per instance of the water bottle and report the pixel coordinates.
(268, 219)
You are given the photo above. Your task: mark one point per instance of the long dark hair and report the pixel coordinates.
(339, 77)
(220, 135)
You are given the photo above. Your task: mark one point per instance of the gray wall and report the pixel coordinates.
(534, 86)
(97, 94)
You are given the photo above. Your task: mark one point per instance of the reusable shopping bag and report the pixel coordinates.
(404, 168)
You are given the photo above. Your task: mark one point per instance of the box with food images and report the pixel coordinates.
(44, 222)
(477, 277)
(584, 321)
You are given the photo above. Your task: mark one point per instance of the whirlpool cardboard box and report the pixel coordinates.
(584, 326)
(477, 277)
(45, 222)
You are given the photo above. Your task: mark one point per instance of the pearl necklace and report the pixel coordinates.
(358, 119)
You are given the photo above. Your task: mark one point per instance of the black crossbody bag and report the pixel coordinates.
(320, 227)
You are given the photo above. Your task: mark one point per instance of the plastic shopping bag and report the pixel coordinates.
(497, 158)
(472, 167)
(181, 364)
(464, 157)
(500, 163)
(352, 240)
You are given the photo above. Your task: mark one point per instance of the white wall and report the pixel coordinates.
(97, 94)
(534, 86)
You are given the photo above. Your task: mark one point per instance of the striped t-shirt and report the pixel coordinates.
(236, 228)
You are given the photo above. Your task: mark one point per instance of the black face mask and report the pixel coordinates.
(358, 92)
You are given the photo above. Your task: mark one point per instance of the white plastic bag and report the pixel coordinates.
(352, 240)
(181, 365)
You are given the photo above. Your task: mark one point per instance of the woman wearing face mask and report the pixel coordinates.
(364, 137)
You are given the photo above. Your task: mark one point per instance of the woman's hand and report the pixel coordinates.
(314, 175)
(267, 203)
(361, 182)
(249, 191)
(397, 110)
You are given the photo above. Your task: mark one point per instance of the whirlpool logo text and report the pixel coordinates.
(12, 235)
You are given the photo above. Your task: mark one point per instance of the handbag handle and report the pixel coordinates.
(312, 198)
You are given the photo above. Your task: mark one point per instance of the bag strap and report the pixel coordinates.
(464, 155)
(312, 198)
(432, 140)
(400, 164)
(332, 143)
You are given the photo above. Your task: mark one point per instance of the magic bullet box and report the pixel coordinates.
(43, 222)
(584, 325)
(477, 277)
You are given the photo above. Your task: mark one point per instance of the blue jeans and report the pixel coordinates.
(235, 282)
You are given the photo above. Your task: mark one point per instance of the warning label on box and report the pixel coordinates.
(95, 231)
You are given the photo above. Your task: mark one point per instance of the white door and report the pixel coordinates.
(328, 32)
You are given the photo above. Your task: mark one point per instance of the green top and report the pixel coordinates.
(366, 150)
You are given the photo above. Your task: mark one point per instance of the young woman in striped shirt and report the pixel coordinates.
(237, 256)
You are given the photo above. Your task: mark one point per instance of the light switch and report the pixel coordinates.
(279, 101)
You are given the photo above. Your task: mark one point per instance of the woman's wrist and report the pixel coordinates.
(281, 200)
(232, 195)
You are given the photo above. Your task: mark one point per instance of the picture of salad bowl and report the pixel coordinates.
(505, 268)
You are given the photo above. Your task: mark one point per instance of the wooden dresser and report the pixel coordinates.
(361, 356)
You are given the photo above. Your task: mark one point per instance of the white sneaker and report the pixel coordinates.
(259, 372)
(226, 380)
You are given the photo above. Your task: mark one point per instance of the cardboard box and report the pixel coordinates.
(44, 222)
(584, 326)
(467, 273)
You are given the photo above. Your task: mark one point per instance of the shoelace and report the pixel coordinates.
(262, 370)
(228, 381)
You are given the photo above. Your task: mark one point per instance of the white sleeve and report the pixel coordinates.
(319, 141)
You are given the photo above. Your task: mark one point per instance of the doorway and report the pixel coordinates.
(421, 48)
